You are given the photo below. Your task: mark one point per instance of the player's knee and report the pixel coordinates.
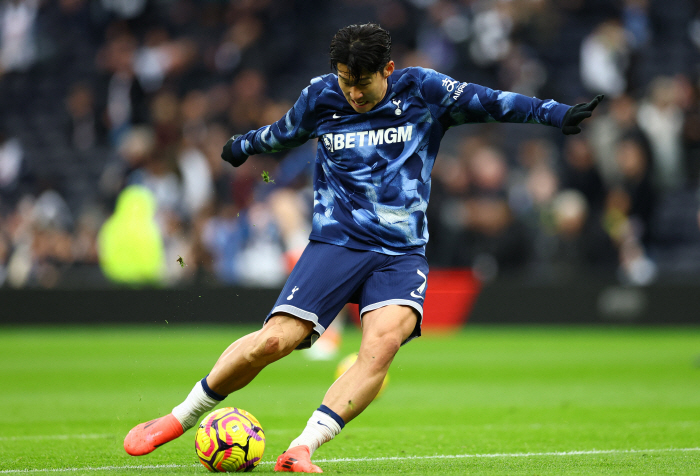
(391, 346)
(271, 346)
(383, 351)
(266, 349)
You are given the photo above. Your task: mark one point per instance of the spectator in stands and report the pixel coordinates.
(616, 123)
(193, 165)
(123, 100)
(475, 225)
(20, 232)
(18, 49)
(492, 24)
(261, 260)
(5, 250)
(495, 242)
(249, 100)
(661, 119)
(11, 169)
(223, 238)
(637, 23)
(133, 152)
(41, 240)
(130, 9)
(533, 180)
(130, 242)
(580, 173)
(86, 229)
(83, 128)
(691, 129)
(578, 242)
(637, 186)
(605, 57)
(179, 247)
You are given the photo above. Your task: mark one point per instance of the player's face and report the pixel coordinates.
(368, 91)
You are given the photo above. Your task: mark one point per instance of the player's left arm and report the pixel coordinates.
(292, 130)
(458, 103)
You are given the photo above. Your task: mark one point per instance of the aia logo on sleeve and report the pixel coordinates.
(450, 86)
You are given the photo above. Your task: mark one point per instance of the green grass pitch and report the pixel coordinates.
(486, 400)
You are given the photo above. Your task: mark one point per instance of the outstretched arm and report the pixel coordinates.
(578, 113)
(295, 128)
(456, 103)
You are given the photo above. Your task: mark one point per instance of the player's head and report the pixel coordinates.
(361, 55)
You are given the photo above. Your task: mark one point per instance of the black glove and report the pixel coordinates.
(578, 113)
(227, 153)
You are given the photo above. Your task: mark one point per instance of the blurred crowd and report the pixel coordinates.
(105, 97)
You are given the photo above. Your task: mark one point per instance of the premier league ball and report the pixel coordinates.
(229, 440)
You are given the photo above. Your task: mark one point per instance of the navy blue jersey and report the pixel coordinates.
(372, 170)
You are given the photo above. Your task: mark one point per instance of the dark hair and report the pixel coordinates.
(362, 48)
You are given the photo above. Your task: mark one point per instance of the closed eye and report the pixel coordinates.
(348, 83)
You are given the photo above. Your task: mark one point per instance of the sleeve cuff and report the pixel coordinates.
(239, 157)
(558, 113)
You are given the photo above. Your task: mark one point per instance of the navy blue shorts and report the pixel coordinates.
(328, 276)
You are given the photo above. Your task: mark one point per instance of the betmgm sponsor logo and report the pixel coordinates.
(350, 140)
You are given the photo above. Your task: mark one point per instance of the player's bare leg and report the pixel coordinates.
(383, 331)
(245, 358)
(237, 366)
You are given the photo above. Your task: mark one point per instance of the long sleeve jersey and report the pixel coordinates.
(372, 170)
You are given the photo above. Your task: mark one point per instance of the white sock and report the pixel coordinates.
(195, 405)
(320, 429)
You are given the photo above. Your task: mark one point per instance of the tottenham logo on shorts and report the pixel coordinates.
(291, 296)
(421, 288)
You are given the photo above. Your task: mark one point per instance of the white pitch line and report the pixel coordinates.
(506, 455)
(100, 468)
(56, 437)
(359, 460)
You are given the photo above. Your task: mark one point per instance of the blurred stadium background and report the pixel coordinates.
(99, 95)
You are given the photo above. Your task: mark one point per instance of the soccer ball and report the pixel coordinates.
(347, 362)
(229, 440)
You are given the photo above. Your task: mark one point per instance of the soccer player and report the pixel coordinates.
(379, 131)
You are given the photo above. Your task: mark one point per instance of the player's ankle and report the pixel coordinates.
(199, 401)
(322, 427)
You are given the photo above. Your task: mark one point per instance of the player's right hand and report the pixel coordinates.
(227, 153)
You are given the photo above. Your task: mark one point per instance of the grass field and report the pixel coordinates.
(488, 400)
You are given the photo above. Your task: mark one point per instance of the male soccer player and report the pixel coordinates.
(379, 131)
